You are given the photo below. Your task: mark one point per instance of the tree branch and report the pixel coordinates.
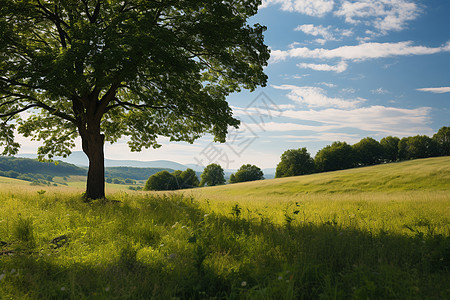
(127, 105)
(13, 113)
(54, 17)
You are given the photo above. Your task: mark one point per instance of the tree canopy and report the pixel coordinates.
(442, 138)
(247, 172)
(368, 151)
(338, 156)
(212, 175)
(390, 148)
(419, 146)
(103, 70)
(295, 162)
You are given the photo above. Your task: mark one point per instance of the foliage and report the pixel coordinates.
(161, 181)
(212, 175)
(442, 138)
(102, 70)
(390, 148)
(247, 172)
(189, 179)
(368, 152)
(295, 162)
(164, 180)
(419, 146)
(338, 156)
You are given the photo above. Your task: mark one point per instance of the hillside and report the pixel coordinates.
(80, 159)
(33, 166)
(430, 174)
(133, 173)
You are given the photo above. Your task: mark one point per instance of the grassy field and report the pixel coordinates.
(380, 232)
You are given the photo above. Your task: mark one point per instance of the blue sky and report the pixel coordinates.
(340, 70)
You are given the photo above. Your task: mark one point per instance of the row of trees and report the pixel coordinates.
(368, 151)
(212, 175)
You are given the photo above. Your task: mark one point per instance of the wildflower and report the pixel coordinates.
(280, 277)
(244, 283)
(107, 289)
(63, 289)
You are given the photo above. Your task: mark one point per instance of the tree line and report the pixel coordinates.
(368, 151)
(212, 175)
(294, 162)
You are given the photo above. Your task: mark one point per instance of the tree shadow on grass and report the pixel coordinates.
(169, 247)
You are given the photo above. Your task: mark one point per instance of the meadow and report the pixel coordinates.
(380, 232)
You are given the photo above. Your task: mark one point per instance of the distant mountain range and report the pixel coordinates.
(79, 158)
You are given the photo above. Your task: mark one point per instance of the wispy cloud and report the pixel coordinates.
(379, 91)
(360, 52)
(327, 33)
(339, 68)
(316, 8)
(439, 90)
(316, 97)
(327, 84)
(375, 120)
(321, 137)
(384, 15)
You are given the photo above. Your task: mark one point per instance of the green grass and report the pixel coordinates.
(295, 238)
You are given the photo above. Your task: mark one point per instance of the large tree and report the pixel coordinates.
(105, 69)
(295, 162)
(212, 175)
(368, 151)
(338, 156)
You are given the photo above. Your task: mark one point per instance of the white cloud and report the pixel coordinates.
(316, 97)
(327, 137)
(348, 90)
(379, 91)
(360, 52)
(439, 90)
(375, 120)
(316, 8)
(339, 68)
(384, 15)
(331, 85)
(327, 33)
(283, 127)
(313, 30)
(380, 119)
(282, 106)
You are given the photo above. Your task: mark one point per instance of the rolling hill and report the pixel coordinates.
(430, 174)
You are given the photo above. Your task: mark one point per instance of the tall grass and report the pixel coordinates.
(173, 246)
(211, 243)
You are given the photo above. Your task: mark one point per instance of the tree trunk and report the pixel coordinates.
(93, 147)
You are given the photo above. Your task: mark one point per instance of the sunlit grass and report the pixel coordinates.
(260, 240)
